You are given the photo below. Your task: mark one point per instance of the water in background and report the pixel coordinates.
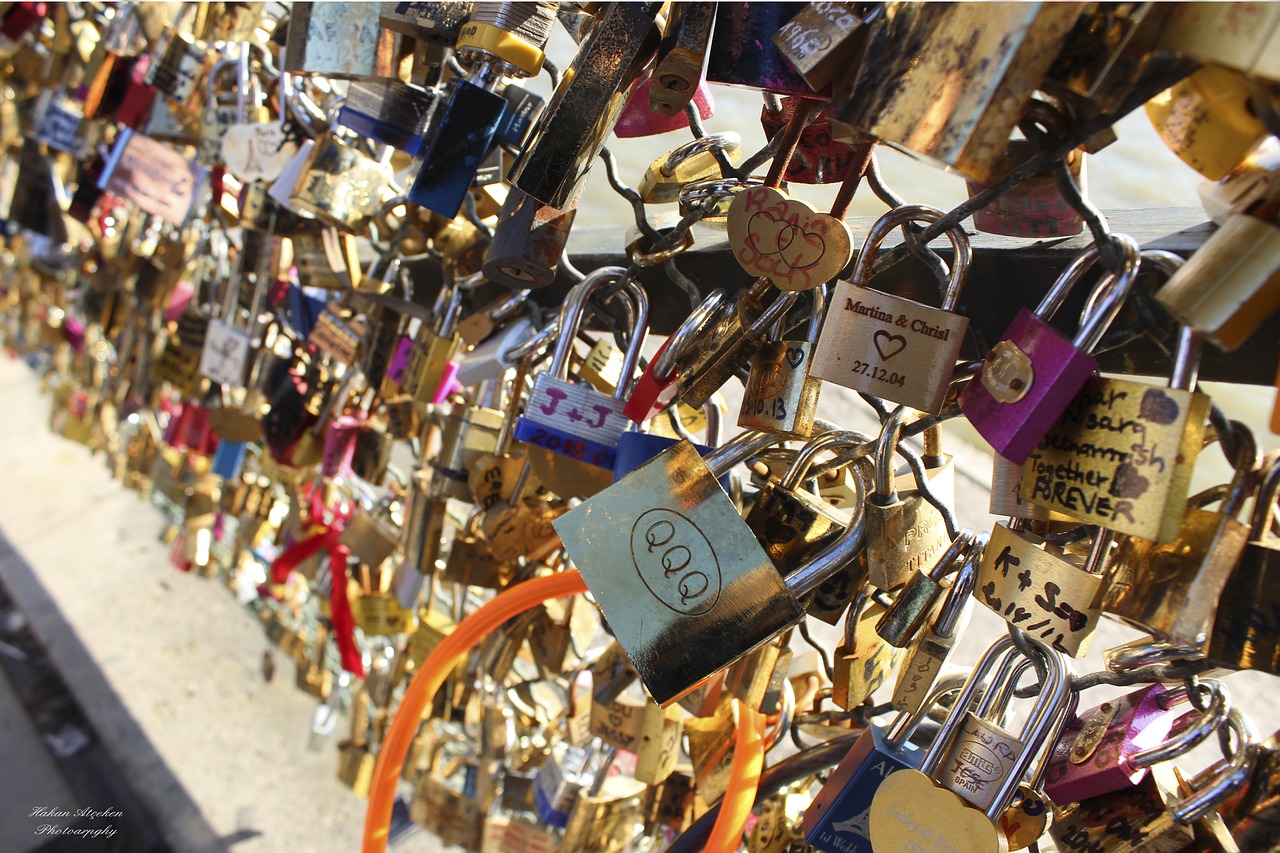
(1136, 171)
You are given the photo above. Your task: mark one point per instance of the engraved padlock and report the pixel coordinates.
(863, 661)
(1207, 120)
(673, 509)
(1028, 379)
(340, 40)
(888, 346)
(972, 762)
(904, 532)
(1038, 587)
(780, 395)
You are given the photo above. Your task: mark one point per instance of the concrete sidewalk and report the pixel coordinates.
(166, 665)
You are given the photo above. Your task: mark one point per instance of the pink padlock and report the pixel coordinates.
(638, 120)
(1031, 376)
(448, 384)
(1111, 747)
(825, 151)
(135, 106)
(339, 446)
(190, 429)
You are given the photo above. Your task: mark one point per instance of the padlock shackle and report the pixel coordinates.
(805, 457)
(575, 306)
(676, 156)
(738, 449)
(829, 561)
(1112, 291)
(1264, 505)
(664, 363)
(886, 446)
(904, 724)
(1189, 737)
(1055, 702)
(961, 592)
(899, 217)
(639, 331)
(1227, 777)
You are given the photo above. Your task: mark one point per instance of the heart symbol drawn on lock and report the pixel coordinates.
(787, 241)
(888, 344)
(795, 356)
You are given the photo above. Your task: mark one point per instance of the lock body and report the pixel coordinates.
(780, 396)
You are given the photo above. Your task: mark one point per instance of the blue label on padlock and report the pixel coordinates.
(637, 448)
(541, 435)
(228, 459)
(839, 819)
(380, 131)
(459, 144)
(304, 310)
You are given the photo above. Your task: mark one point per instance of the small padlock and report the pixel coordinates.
(638, 119)
(1229, 287)
(904, 532)
(1029, 379)
(863, 661)
(1039, 588)
(825, 151)
(888, 346)
(742, 51)
(1122, 453)
(780, 395)
(528, 241)
(922, 667)
(838, 821)
(570, 430)
(692, 161)
(1172, 590)
(1111, 746)
(1207, 120)
(976, 761)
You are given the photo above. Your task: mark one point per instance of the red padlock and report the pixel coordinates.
(825, 151)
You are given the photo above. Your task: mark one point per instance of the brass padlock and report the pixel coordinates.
(781, 396)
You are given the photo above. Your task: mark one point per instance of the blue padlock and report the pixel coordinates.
(228, 459)
(838, 820)
(637, 448)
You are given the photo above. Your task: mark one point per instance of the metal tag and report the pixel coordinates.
(225, 353)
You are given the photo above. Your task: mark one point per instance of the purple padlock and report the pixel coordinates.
(1110, 747)
(638, 120)
(1030, 377)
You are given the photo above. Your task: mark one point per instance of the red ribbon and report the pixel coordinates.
(326, 539)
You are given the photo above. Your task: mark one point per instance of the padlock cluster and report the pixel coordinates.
(300, 272)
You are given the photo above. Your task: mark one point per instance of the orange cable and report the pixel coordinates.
(744, 778)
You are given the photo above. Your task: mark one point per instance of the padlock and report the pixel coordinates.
(652, 733)
(433, 353)
(742, 51)
(559, 781)
(730, 335)
(339, 40)
(780, 396)
(863, 661)
(866, 329)
(1111, 746)
(972, 762)
(586, 105)
(904, 532)
(1242, 636)
(179, 67)
(345, 204)
(528, 241)
(778, 829)
(1229, 287)
(682, 53)
(571, 431)
(657, 385)
(677, 565)
(824, 41)
(923, 665)
(826, 149)
(1029, 379)
(1039, 588)
(692, 161)
(793, 525)
(757, 679)
(221, 109)
(916, 601)
(1035, 207)
(391, 112)
(499, 39)
(605, 817)
(1172, 590)
(1207, 120)
(638, 119)
(1001, 54)
(1122, 453)
(838, 821)
(1158, 811)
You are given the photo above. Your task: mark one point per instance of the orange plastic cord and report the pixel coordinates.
(744, 778)
(429, 678)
